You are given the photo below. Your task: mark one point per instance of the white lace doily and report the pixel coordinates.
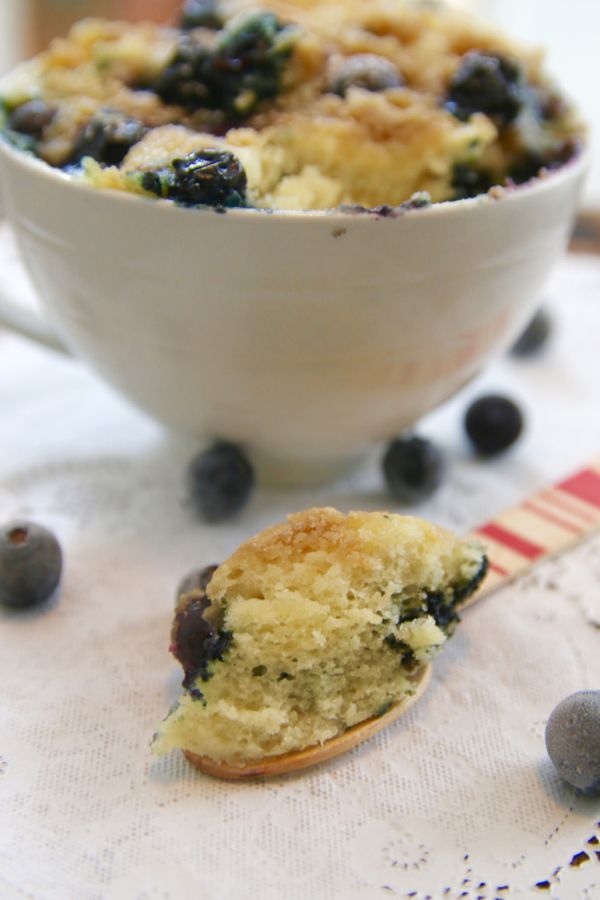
(456, 800)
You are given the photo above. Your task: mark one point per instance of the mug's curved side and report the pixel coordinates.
(28, 323)
(308, 338)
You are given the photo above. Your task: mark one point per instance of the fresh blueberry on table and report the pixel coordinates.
(493, 423)
(30, 564)
(220, 482)
(413, 469)
(573, 740)
(535, 335)
(367, 71)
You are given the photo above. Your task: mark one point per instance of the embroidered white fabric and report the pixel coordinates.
(456, 800)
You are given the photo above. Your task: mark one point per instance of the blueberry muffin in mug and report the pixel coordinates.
(294, 105)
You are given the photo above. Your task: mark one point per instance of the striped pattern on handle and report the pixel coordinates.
(544, 524)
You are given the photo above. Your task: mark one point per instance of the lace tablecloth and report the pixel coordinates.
(456, 800)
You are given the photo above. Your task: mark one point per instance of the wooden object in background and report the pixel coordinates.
(50, 18)
(586, 236)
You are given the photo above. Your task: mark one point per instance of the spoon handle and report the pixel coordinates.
(549, 522)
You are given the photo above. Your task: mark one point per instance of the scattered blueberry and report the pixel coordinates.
(31, 118)
(413, 468)
(493, 423)
(535, 335)
(573, 740)
(200, 14)
(30, 564)
(194, 581)
(489, 84)
(367, 71)
(220, 482)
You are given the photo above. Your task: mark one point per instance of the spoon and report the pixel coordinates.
(549, 522)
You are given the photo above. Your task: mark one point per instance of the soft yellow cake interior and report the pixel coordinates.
(318, 624)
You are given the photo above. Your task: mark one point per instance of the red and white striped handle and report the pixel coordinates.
(547, 523)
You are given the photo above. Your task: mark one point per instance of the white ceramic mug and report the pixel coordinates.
(305, 337)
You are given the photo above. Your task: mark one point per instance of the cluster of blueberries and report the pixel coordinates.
(243, 67)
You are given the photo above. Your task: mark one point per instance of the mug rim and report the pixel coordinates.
(539, 184)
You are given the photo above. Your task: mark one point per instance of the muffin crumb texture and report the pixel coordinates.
(323, 103)
(310, 627)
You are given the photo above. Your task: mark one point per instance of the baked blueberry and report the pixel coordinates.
(489, 84)
(573, 740)
(30, 564)
(31, 118)
(209, 177)
(244, 66)
(220, 481)
(196, 580)
(367, 71)
(413, 468)
(469, 181)
(185, 80)
(107, 138)
(197, 636)
(200, 14)
(535, 335)
(493, 423)
(249, 62)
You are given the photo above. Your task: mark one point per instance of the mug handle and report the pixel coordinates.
(28, 323)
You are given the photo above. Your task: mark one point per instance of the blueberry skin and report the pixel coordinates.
(413, 469)
(493, 424)
(573, 740)
(209, 177)
(108, 137)
(196, 580)
(200, 14)
(31, 118)
(220, 482)
(197, 636)
(489, 84)
(367, 71)
(30, 564)
(535, 335)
